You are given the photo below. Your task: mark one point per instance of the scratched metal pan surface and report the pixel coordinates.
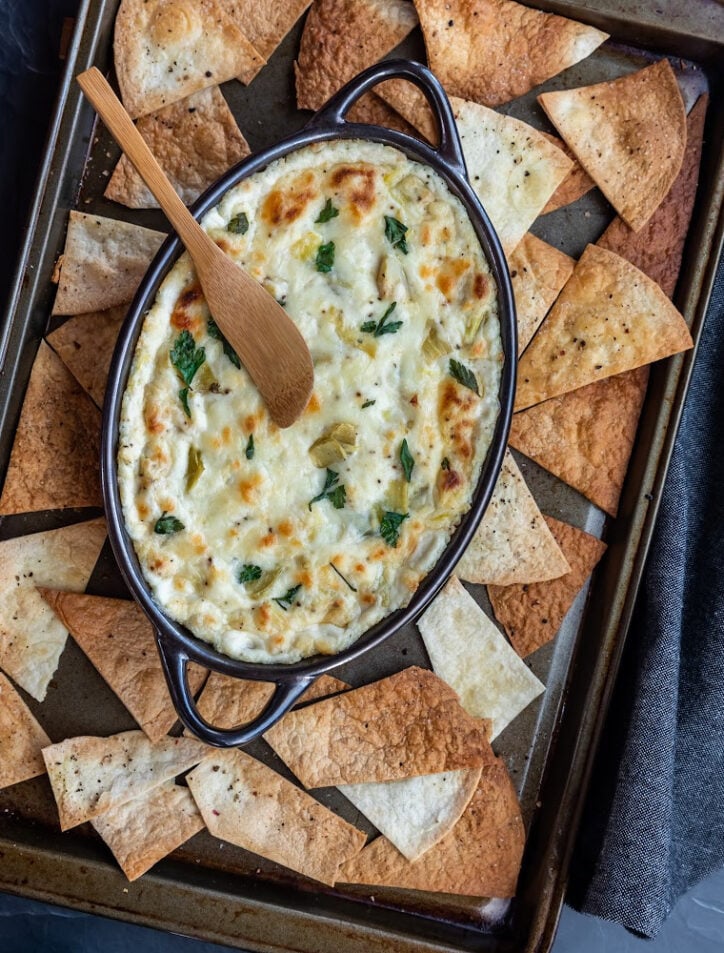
(221, 893)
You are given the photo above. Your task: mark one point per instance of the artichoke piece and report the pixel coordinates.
(194, 468)
(335, 445)
(259, 587)
(473, 324)
(391, 280)
(205, 380)
(433, 346)
(412, 189)
(352, 336)
(399, 495)
(305, 248)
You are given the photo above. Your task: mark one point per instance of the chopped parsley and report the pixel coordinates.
(368, 403)
(183, 396)
(407, 460)
(327, 213)
(249, 452)
(395, 233)
(378, 328)
(165, 525)
(390, 526)
(325, 257)
(343, 578)
(332, 491)
(463, 375)
(186, 357)
(249, 573)
(215, 332)
(285, 601)
(445, 465)
(239, 224)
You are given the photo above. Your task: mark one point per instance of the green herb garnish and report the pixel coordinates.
(327, 213)
(249, 573)
(250, 447)
(239, 224)
(288, 597)
(445, 465)
(395, 233)
(183, 396)
(186, 357)
(325, 257)
(336, 494)
(464, 376)
(390, 526)
(343, 578)
(165, 525)
(368, 403)
(215, 332)
(378, 328)
(407, 460)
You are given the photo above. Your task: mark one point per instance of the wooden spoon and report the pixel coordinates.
(260, 331)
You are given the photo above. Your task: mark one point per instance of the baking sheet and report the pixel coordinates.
(257, 904)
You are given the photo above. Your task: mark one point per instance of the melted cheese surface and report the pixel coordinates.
(259, 570)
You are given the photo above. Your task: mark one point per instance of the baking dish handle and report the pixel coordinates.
(175, 661)
(333, 114)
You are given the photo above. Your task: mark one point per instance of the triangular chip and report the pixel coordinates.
(248, 804)
(341, 38)
(608, 319)
(657, 248)
(575, 185)
(195, 141)
(399, 727)
(471, 655)
(629, 134)
(85, 344)
(532, 615)
(512, 543)
(103, 262)
(264, 23)
(538, 272)
(480, 857)
(411, 103)
(146, 829)
(90, 775)
(117, 637)
(492, 51)
(21, 738)
(512, 167)
(165, 50)
(54, 463)
(375, 111)
(585, 437)
(415, 813)
(31, 637)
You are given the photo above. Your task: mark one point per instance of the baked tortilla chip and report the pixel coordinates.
(90, 775)
(85, 344)
(399, 727)
(31, 637)
(264, 23)
(472, 656)
(512, 543)
(492, 51)
(629, 134)
(480, 857)
(54, 463)
(195, 141)
(411, 103)
(146, 829)
(657, 248)
(585, 437)
(538, 272)
(341, 38)
(512, 167)
(21, 738)
(372, 110)
(575, 185)
(117, 637)
(248, 804)
(609, 318)
(165, 50)
(415, 813)
(532, 615)
(103, 262)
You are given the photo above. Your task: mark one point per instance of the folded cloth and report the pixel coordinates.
(653, 824)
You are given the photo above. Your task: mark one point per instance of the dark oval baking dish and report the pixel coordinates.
(177, 646)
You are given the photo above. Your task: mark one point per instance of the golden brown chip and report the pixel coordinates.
(492, 51)
(54, 463)
(657, 248)
(85, 345)
(117, 637)
(21, 738)
(265, 23)
(480, 857)
(146, 829)
(411, 104)
(608, 319)
(164, 50)
(538, 272)
(532, 615)
(629, 134)
(103, 263)
(575, 185)
(409, 724)
(246, 803)
(585, 437)
(375, 111)
(341, 38)
(195, 141)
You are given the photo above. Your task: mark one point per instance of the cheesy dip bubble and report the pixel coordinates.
(273, 545)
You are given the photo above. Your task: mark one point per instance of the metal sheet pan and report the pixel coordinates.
(220, 893)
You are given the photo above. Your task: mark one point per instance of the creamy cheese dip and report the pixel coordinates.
(273, 544)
